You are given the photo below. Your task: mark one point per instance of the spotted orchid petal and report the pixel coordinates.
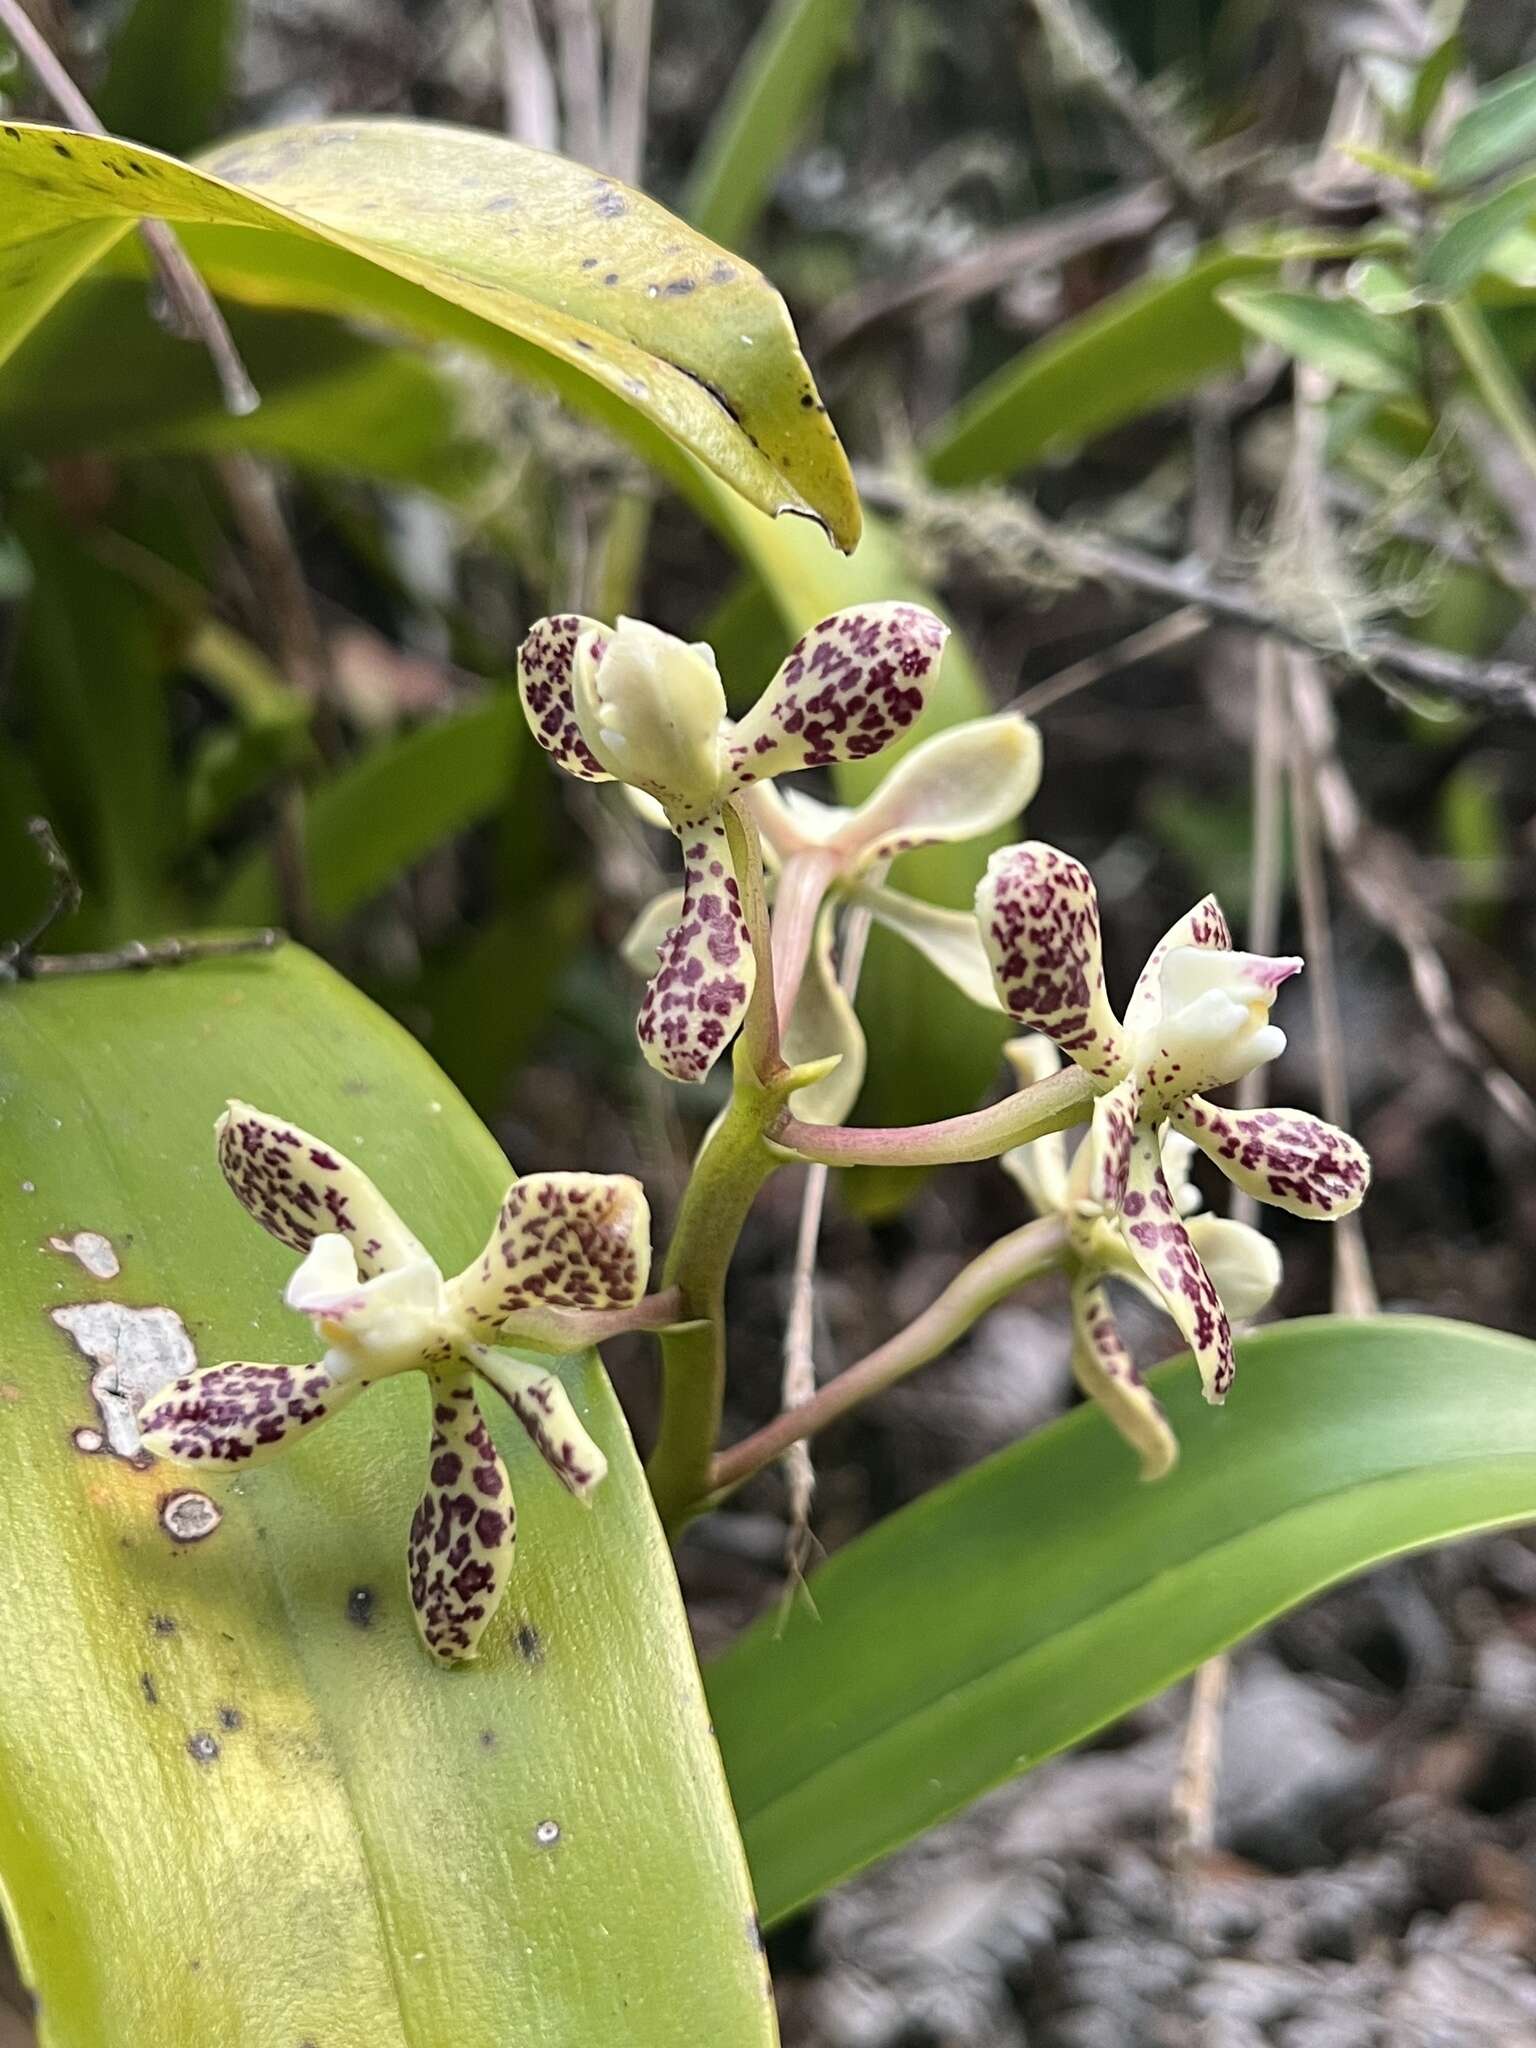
(948, 939)
(561, 1241)
(652, 710)
(546, 664)
(1212, 1025)
(541, 1404)
(845, 690)
(1203, 927)
(699, 993)
(1038, 913)
(957, 785)
(464, 1530)
(1283, 1157)
(1040, 1167)
(824, 1021)
(1243, 1264)
(1105, 1159)
(1161, 1246)
(238, 1413)
(298, 1188)
(1107, 1374)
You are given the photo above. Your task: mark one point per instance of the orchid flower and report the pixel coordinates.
(1198, 1018)
(564, 1247)
(957, 785)
(1241, 1263)
(633, 704)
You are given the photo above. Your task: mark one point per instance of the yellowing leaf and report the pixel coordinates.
(590, 273)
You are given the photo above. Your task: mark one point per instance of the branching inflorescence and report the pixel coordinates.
(568, 1260)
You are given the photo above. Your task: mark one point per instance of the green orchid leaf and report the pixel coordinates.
(1371, 351)
(773, 89)
(1460, 253)
(1499, 125)
(1039, 1597)
(578, 268)
(238, 1802)
(168, 72)
(382, 813)
(332, 399)
(1150, 344)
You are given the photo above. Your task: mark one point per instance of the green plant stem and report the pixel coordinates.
(1045, 1106)
(1021, 1256)
(726, 1177)
(1497, 385)
(729, 1170)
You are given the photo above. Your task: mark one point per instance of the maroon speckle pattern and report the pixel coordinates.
(542, 1406)
(298, 1189)
(695, 1001)
(229, 1414)
(1111, 1137)
(846, 689)
(562, 1241)
(1164, 1251)
(1281, 1156)
(1039, 917)
(464, 1530)
(544, 670)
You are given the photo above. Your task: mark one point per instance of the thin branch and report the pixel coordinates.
(1050, 1105)
(579, 44)
(629, 80)
(530, 108)
(1143, 645)
(194, 304)
(1489, 685)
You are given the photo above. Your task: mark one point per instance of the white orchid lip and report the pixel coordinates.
(653, 711)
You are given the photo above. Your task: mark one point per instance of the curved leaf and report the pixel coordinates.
(380, 814)
(576, 265)
(1013, 1612)
(238, 1804)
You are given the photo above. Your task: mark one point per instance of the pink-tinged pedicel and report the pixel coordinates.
(464, 1531)
(562, 1241)
(1280, 1156)
(1039, 917)
(238, 1413)
(545, 665)
(298, 1187)
(695, 1001)
(846, 689)
(1163, 1249)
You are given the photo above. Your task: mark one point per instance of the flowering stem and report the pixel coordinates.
(1024, 1254)
(1049, 1105)
(726, 1177)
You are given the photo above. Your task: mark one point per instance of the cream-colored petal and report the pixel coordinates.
(949, 939)
(1107, 1374)
(561, 1241)
(961, 783)
(822, 1022)
(653, 708)
(298, 1188)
